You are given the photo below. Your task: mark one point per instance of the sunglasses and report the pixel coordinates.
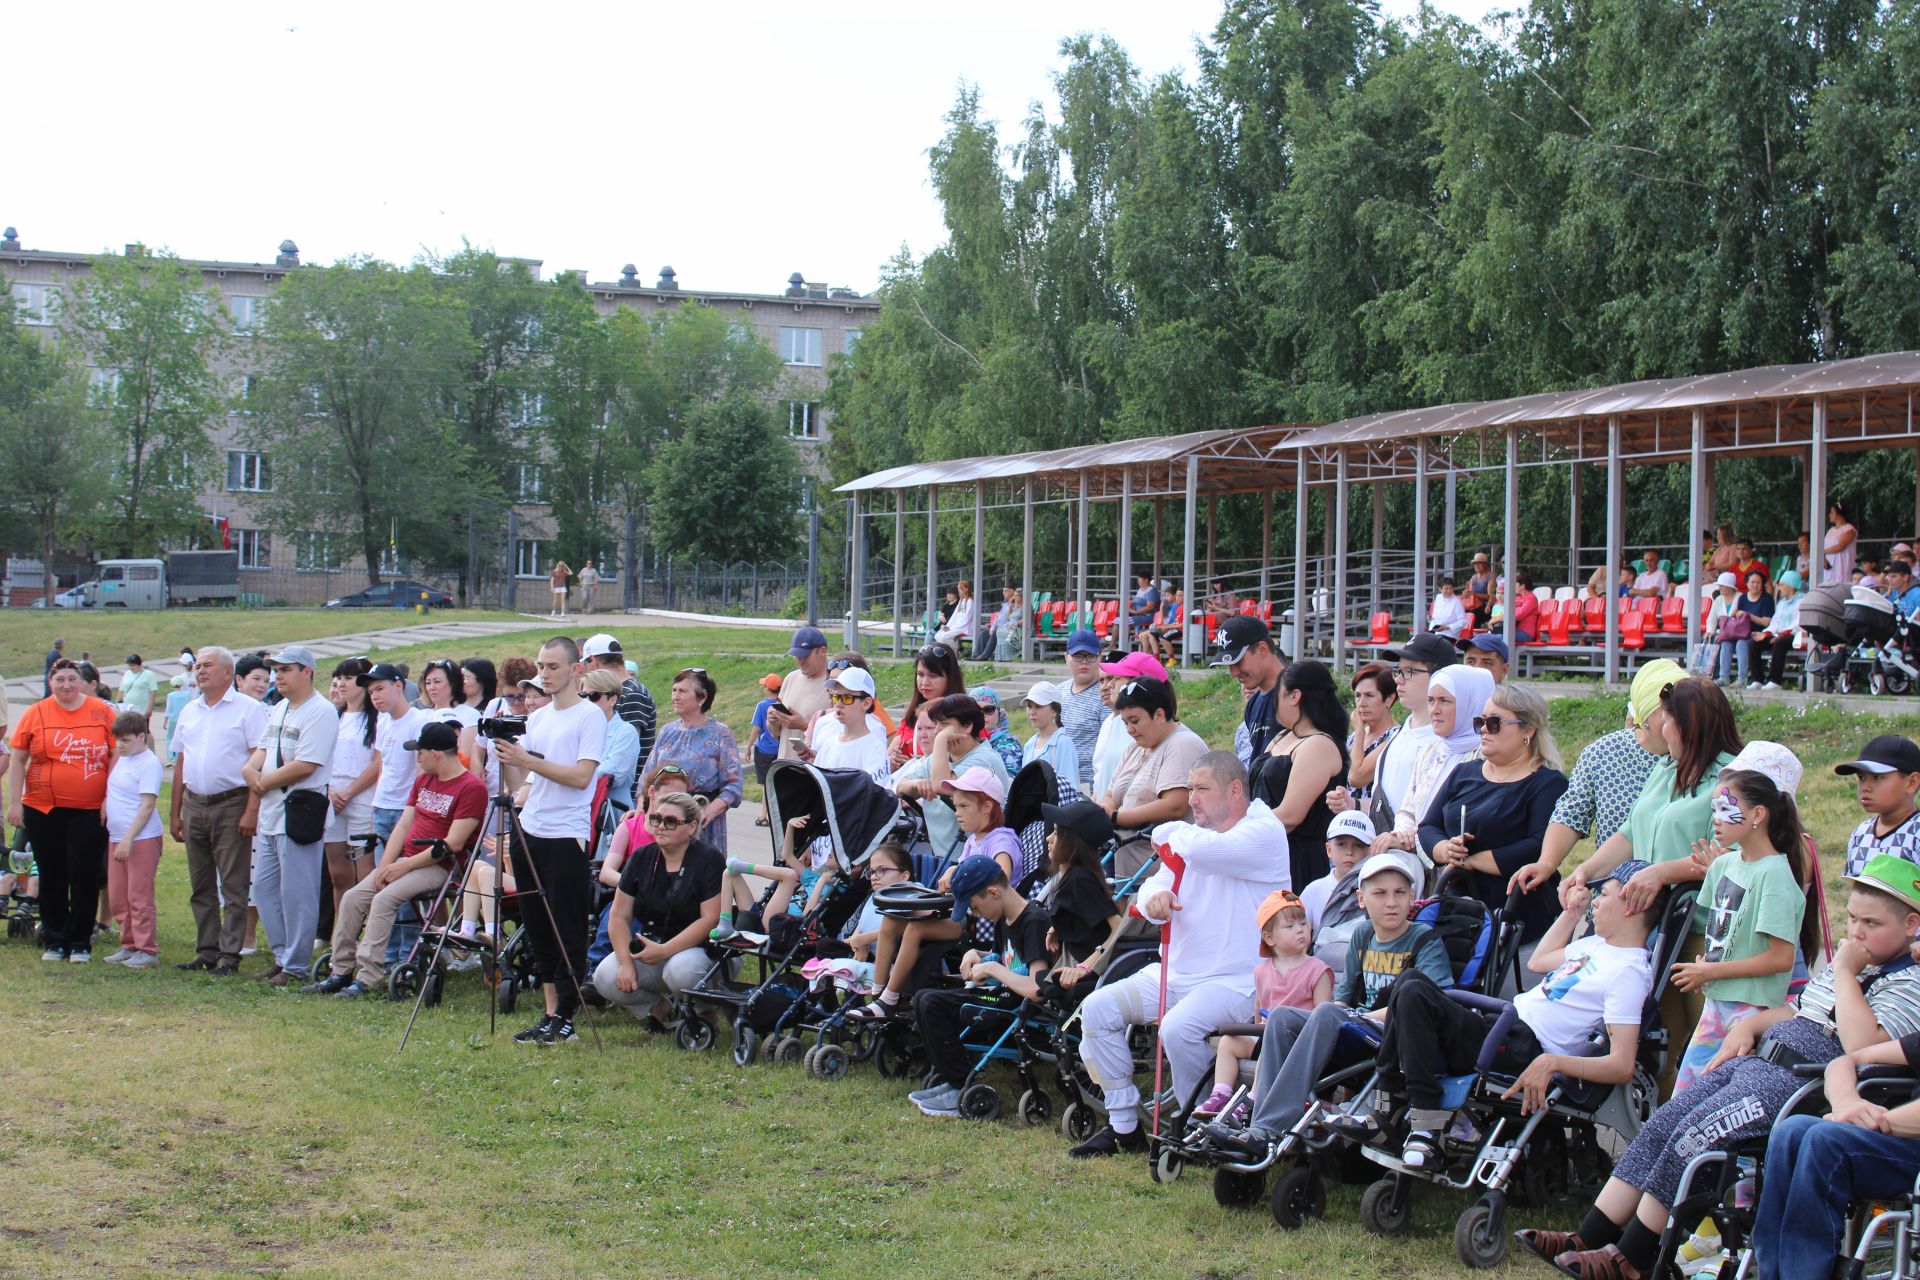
(670, 767)
(936, 651)
(1494, 724)
(838, 664)
(665, 822)
(599, 697)
(845, 699)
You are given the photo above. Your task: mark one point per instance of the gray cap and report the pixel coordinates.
(294, 655)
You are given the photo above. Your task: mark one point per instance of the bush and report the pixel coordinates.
(795, 609)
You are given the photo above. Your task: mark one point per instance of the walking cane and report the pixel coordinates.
(1159, 1059)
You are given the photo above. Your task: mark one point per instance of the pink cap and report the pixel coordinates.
(1137, 666)
(978, 779)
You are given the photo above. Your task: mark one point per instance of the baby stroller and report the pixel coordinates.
(1871, 641)
(21, 908)
(854, 814)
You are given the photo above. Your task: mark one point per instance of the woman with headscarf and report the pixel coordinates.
(1454, 696)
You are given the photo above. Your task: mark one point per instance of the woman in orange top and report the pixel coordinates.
(57, 788)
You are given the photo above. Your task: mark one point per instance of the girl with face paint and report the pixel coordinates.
(1754, 904)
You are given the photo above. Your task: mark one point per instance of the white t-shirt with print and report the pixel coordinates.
(1597, 985)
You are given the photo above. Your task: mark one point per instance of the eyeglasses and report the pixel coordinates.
(844, 699)
(665, 822)
(1494, 724)
(875, 872)
(1408, 673)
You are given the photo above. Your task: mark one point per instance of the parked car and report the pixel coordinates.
(74, 597)
(394, 595)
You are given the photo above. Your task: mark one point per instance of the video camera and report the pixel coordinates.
(502, 728)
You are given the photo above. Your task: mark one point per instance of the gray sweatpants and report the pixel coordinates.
(1295, 1051)
(1192, 1015)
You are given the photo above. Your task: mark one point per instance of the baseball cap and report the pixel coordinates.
(771, 683)
(980, 780)
(1084, 818)
(133, 660)
(1488, 642)
(600, 645)
(1434, 650)
(1780, 765)
(1890, 874)
(1900, 567)
(1044, 694)
(805, 641)
(1888, 753)
(1353, 824)
(852, 680)
(985, 696)
(970, 877)
(379, 671)
(1083, 642)
(294, 655)
(435, 736)
(1137, 666)
(1270, 906)
(1237, 635)
(533, 683)
(1384, 862)
(1622, 873)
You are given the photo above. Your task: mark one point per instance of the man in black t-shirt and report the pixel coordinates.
(1018, 963)
(1247, 652)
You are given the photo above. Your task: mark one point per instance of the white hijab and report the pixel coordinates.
(1470, 687)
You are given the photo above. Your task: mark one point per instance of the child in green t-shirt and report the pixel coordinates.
(1755, 897)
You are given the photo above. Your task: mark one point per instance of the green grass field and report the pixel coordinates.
(169, 1124)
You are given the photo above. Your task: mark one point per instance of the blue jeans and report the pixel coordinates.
(406, 925)
(286, 888)
(601, 947)
(1730, 651)
(1814, 1169)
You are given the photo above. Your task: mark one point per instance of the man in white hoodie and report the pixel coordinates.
(1214, 873)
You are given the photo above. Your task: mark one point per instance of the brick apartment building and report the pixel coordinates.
(806, 323)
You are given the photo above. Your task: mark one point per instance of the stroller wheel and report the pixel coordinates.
(1895, 681)
(1480, 1236)
(787, 1049)
(861, 1042)
(892, 1060)
(507, 994)
(1299, 1194)
(980, 1101)
(430, 989)
(1036, 1108)
(1167, 1166)
(828, 1062)
(694, 1034)
(1076, 1122)
(1386, 1207)
(746, 1044)
(806, 1059)
(403, 982)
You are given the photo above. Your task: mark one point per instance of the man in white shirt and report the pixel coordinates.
(1214, 873)
(1651, 581)
(213, 813)
(1449, 614)
(560, 751)
(295, 754)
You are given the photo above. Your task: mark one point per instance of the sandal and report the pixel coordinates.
(875, 1011)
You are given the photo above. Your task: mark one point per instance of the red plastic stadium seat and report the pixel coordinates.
(1559, 626)
(1633, 630)
(1596, 615)
(1673, 617)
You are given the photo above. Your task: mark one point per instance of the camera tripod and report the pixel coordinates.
(506, 841)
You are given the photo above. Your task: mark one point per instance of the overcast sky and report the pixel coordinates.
(738, 143)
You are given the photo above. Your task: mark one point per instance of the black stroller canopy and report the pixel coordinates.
(847, 806)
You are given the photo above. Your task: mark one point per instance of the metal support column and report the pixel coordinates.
(1696, 520)
(1340, 564)
(899, 564)
(933, 563)
(1451, 514)
(1419, 538)
(856, 571)
(1195, 606)
(1086, 556)
(1299, 608)
(1573, 524)
(1026, 571)
(1379, 537)
(1266, 545)
(1123, 559)
(1817, 504)
(1616, 530)
(1510, 550)
(979, 567)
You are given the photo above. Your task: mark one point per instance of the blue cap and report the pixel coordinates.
(806, 640)
(1489, 642)
(1083, 642)
(1623, 873)
(970, 877)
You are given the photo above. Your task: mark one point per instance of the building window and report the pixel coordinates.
(103, 387)
(526, 409)
(248, 472)
(803, 420)
(177, 472)
(255, 547)
(529, 558)
(800, 346)
(36, 303)
(530, 483)
(247, 311)
(315, 553)
(853, 340)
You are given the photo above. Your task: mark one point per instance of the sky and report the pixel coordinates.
(738, 143)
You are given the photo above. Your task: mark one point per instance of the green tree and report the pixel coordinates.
(153, 328)
(576, 385)
(728, 485)
(355, 360)
(56, 451)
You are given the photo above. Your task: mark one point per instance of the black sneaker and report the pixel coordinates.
(328, 985)
(537, 1033)
(559, 1031)
(1109, 1143)
(199, 964)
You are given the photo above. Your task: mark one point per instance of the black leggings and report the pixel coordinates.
(1430, 1035)
(71, 847)
(561, 866)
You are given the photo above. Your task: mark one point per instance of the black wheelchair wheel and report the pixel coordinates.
(979, 1101)
(1480, 1236)
(431, 989)
(1077, 1122)
(1036, 1107)
(1386, 1208)
(1299, 1195)
(507, 994)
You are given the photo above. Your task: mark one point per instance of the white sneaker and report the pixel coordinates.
(247, 951)
(1753, 684)
(53, 953)
(121, 956)
(1769, 685)
(140, 960)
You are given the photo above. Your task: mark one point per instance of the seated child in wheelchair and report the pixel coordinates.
(1288, 976)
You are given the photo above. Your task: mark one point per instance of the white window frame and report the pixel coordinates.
(851, 339)
(246, 310)
(532, 482)
(528, 555)
(803, 420)
(103, 386)
(255, 547)
(800, 345)
(526, 409)
(36, 304)
(314, 552)
(248, 472)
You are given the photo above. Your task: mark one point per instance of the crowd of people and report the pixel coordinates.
(1284, 867)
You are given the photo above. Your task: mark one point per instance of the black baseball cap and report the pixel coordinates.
(1434, 650)
(1084, 818)
(1239, 634)
(436, 736)
(1888, 753)
(380, 671)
